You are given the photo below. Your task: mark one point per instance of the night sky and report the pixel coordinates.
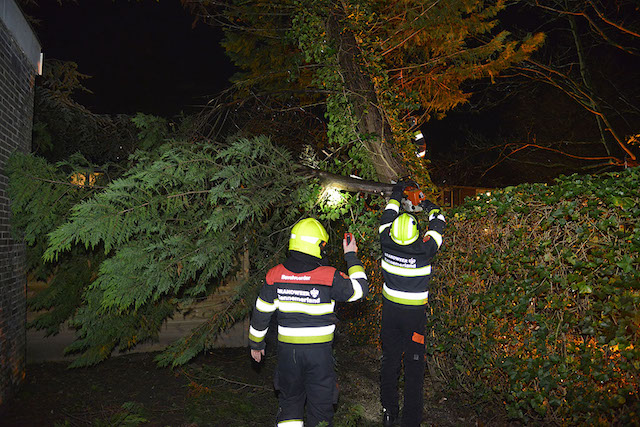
(143, 56)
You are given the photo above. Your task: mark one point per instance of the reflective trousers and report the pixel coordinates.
(402, 337)
(305, 373)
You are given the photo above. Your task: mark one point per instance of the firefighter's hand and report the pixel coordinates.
(428, 206)
(349, 247)
(399, 188)
(257, 355)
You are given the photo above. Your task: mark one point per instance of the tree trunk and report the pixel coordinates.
(371, 119)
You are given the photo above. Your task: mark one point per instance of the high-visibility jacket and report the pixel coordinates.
(304, 293)
(406, 269)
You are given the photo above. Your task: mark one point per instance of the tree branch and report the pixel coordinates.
(349, 183)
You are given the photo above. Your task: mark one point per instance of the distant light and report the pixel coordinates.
(84, 180)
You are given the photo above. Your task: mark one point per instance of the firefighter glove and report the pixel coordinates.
(428, 206)
(399, 188)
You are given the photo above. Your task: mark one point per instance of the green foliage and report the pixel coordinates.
(536, 299)
(63, 127)
(169, 230)
(41, 198)
(151, 130)
(371, 65)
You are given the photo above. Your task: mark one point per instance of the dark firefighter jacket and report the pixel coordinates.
(305, 292)
(406, 268)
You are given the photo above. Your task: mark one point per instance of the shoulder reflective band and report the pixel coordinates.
(435, 236)
(384, 227)
(394, 205)
(406, 298)
(301, 307)
(406, 272)
(311, 335)
(356, 272)
(436, 214)
(265, 307)
(256, 335)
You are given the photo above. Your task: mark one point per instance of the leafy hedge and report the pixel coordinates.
(537, 296)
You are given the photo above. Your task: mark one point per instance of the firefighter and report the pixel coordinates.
(406, 259)
(304, 290)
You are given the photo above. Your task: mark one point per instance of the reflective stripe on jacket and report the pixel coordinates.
(305, 299)
(406, 269)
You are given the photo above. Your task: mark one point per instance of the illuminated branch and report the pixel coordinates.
(603, 35)
(414, 33)
(581, 97)
(346, 183)
(613, 24)
(612, 161)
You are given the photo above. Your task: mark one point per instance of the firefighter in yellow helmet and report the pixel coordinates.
(304, 290)
(406, 268)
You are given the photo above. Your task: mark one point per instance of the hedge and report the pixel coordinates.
(535, 299)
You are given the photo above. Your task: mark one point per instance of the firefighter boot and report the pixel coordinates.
(388, 419)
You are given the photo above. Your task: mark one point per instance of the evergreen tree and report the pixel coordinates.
(62, 127)
(171, 228)
(373, 64)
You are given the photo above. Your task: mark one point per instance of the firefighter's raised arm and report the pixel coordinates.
(353, 286)
(436, 222)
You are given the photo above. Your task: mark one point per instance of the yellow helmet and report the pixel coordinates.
(308, 236)
(404, 229)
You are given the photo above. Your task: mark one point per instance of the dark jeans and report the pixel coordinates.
(402, 337)
(306, 372)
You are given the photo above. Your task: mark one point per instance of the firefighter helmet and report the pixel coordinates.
(404, 229)
(308, 236)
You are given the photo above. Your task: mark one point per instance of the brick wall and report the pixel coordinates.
(16, 115)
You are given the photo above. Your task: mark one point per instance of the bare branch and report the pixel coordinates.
(613, 24)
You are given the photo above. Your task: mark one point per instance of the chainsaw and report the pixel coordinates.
(412, 198)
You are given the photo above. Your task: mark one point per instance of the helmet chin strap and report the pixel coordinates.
(323, 249)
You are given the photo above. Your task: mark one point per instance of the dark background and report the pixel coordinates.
(145, 55)
(151, 56)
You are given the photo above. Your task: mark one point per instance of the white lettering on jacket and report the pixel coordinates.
(303, 278)
(399, 261)
(299, 295)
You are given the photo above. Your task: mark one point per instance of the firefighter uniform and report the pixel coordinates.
(304, 291)
(406, 268)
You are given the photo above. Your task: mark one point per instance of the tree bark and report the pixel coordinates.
(371, 119)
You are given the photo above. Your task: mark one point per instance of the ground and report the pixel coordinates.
(221, 388)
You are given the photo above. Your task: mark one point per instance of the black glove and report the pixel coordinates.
(399, 188)
(428, 206)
